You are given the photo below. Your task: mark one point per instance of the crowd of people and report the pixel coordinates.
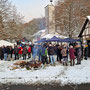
(8, 53)
(63, 53)
(46, 53)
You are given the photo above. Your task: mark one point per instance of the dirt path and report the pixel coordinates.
(44, 87)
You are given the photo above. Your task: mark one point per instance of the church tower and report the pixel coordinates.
(50, 18)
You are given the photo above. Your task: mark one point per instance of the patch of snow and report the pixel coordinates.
(77, 74)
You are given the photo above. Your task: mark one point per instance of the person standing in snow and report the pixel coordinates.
(9, 53)
(16, 51)
(39, 52)
(5, 53)
(1, 53)
(86, 52)
(29, 52)
(78, 54)
(72, 55)
(44, 54)
(20, 51)
(58, 52)
(51, 54)
(35, 51)
(24, 52)
(64, 56)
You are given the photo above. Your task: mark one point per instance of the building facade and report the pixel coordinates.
(85, 33)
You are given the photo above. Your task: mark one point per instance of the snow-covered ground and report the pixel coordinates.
(77, 74)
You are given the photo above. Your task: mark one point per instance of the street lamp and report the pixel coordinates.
(51, 1)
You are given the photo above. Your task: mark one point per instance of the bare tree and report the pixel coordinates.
(10, 21)
(70, 15)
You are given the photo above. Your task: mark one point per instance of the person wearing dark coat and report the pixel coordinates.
(58, 52)
(1, 53)
(44, 54)
(16, 51)
(5, 52)
(51, 53)
(9, 53)
(24, 52)
(86, 52)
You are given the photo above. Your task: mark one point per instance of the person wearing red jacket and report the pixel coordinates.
(29, 52)
(20, 51)
(72, 55)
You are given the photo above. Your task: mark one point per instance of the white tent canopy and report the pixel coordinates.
(5, 43)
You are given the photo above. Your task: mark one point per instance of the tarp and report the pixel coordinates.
(55, 39)
(70, 40)
(5, 43)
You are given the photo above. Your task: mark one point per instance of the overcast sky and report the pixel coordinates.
(31, 8)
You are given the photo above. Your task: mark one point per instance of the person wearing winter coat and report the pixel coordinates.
(64, 56)
(34, 52)
(79, 53)
(44, 54)
(9, 53)
(51, 51)
(5, 53)
(72, 55)
(86, 52)
(24, 53)
(20, 51)
(29, 52)
(39, 52)
(1, 53)
(16, 51)
(58, 52)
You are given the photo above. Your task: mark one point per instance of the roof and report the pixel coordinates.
(83, 28)
(48, 36)
(39, 32)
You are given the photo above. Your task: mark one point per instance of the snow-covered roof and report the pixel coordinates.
(88, 18)
(39, 32)
(5, 43)
(48, 36)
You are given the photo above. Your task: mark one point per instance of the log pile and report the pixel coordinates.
(27, 64)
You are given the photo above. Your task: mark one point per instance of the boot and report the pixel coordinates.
(71, 63)
(66, 63)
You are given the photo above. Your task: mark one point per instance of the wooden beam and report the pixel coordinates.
(86, 35)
